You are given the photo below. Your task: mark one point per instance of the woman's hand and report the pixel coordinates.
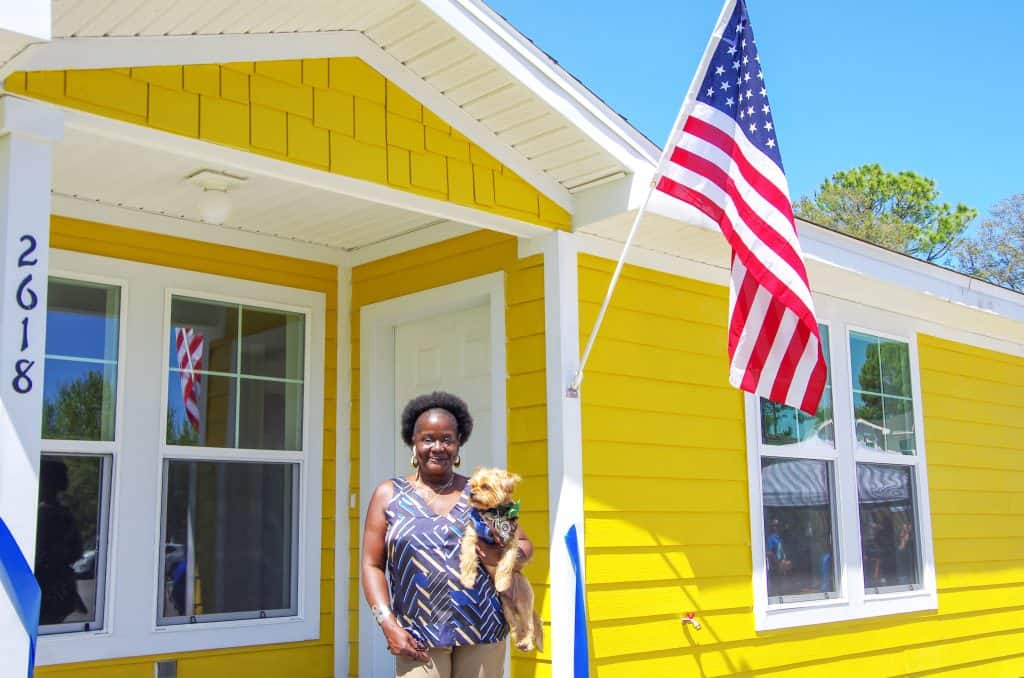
(401, 643)
(489, 554)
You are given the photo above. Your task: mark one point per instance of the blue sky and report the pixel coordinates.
(933, 87)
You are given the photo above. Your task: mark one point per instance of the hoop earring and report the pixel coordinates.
(414, 461)
(458, 461)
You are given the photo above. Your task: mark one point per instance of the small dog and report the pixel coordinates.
(494, 519)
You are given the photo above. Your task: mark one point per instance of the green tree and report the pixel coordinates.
(996, 252)
(77, 413)
(898, 211)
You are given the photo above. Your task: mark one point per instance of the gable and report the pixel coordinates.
(337, 115)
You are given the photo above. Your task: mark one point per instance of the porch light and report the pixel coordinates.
(215, 204)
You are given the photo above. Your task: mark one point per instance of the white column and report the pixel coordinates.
(565, 446)
(28, 131)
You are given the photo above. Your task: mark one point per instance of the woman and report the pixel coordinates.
(434, 626)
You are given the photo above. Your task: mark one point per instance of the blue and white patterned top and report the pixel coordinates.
(427, 596)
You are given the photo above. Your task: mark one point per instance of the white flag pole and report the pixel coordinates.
(688, 103)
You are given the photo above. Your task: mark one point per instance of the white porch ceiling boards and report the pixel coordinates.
(550, 126)
(110, 172)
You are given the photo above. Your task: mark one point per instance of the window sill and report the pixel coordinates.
(839, 610)
(112, 644)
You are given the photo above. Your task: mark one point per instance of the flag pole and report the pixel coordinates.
(688, 103)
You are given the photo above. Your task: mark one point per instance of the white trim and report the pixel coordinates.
(408, 241)
(114, 215)
(115, 52)
(960, 325)
(852, 602)
(246, 163)
(342, 502)
(549, 81)
(134, 554)
(377, 397)
(565, 438)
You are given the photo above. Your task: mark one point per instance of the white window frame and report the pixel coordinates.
(851, 601)
(110, 449)
(135, 556)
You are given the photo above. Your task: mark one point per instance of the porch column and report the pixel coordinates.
(565, 445)
(28, 131)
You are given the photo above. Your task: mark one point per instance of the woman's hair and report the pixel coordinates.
(438, 400)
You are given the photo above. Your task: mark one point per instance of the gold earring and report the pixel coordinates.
(414, 461)
(458, 461)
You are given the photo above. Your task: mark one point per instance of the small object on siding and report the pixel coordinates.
(691, 618)
(166, 668)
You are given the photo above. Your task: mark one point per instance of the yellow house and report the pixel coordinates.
(238, 235)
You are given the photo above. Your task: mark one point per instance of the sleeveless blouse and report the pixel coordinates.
(427, 595)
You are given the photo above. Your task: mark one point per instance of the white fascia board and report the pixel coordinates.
(28, 18)
(842, 251)
(119, 52)
(245, 163)
(537, 71)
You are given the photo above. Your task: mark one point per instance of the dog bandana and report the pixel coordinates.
(502, 522)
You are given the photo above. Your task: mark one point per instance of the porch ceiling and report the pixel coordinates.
(460, 48)
(93, 168)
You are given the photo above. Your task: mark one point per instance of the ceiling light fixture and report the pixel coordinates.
(215, 204)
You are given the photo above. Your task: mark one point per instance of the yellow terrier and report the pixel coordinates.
(494, 519)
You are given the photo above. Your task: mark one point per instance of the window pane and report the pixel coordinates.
(882, 402)
(229, 541)
(887, 527)
(209, 330)
(272, 344)
(785, 425)
(78, 400)
(82, 319)
(271, 415)
(70, 539)
(80, 375)
(201, 409)
(798, 500)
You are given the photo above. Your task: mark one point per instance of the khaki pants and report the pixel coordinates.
(465, 661)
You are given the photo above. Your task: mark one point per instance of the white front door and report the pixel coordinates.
(449, 352)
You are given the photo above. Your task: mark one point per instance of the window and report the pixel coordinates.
(840, 524)
(235, 380)
(79, 415)
(181, 488)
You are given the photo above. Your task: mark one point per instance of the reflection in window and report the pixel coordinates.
(887, 527)
(80, 375)
(785, 425)
(236, 376)
(229, 541)
(799, 514)
(70, 542)
(882, 394)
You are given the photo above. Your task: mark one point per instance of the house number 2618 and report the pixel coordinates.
(27, 299)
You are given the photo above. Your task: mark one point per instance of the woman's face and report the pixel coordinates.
(436, 442)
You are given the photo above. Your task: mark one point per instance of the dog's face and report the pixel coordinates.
(490, 487)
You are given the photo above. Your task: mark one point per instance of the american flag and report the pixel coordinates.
(189, 344)
(724, 160)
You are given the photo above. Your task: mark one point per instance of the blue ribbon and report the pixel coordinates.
(22, 588)
(581, 648)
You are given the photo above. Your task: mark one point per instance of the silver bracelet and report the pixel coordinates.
(380, 613)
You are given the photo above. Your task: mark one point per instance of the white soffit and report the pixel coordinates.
(838, 266)
(459, 49)
(152, 181)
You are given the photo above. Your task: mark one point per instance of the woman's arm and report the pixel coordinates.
(375, 585)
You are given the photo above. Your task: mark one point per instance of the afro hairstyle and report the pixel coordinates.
(438, 400)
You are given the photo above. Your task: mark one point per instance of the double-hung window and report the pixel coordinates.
(838, 504)
(80, 416)
(181, 475)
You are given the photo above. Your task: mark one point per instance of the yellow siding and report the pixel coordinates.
(313, 658)
(666, 507)
(466, 257)
(337, 115)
